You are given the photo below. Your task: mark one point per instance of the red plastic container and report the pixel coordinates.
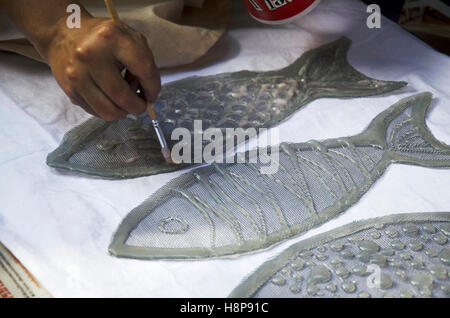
(279, 11)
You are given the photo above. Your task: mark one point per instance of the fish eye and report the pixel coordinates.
(173, 225)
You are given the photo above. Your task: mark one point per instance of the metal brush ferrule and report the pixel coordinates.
(159, 134)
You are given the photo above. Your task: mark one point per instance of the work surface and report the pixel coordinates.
(60, 225)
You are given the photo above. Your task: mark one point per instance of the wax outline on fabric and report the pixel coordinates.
(162, 226)
(254, 281)
(318, 73)
(376, 134)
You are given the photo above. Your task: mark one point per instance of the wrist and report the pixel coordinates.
(40, 21)
(50, 37)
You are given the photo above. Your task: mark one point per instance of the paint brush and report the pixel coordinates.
(162, 141)
(112, 12)
(165, 151)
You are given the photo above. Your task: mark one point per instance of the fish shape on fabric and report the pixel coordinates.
(229, 209)
(129, 148)
(402, 255)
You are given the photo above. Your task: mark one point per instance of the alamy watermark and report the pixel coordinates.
(374, 279)
(374, 19)
(218, 145)
(73, 21)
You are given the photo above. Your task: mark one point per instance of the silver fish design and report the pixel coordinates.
(413, 264)
(243, 99)
(234, 208)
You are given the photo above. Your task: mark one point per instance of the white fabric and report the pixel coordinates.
(60, 225)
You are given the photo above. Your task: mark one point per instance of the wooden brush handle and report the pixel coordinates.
(151, 111)
(112, 11)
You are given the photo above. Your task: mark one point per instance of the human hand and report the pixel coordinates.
(87, 64)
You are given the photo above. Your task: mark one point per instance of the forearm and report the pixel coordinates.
(39, 20)
(87, 61)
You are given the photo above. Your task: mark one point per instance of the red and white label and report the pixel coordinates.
(278, 11)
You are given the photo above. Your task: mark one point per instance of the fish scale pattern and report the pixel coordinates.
(395, 256)
(129, 148)
(260, 101)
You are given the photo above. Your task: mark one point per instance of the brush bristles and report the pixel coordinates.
(166, 154)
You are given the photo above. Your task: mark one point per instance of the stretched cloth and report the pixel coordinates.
(60, 225)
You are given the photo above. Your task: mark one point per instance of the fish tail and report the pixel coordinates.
(403, 132)
(326, 72)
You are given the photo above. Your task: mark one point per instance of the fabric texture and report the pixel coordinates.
(170, 27)
(60, 226)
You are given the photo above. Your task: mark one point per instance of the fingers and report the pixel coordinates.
(76, 99)
(116, 88)
(135, 85)
(132, 81)
(100, 103)
(137, 57)
(87, 65)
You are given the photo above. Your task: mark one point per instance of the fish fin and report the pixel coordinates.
(403, 132)
(326, 73)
